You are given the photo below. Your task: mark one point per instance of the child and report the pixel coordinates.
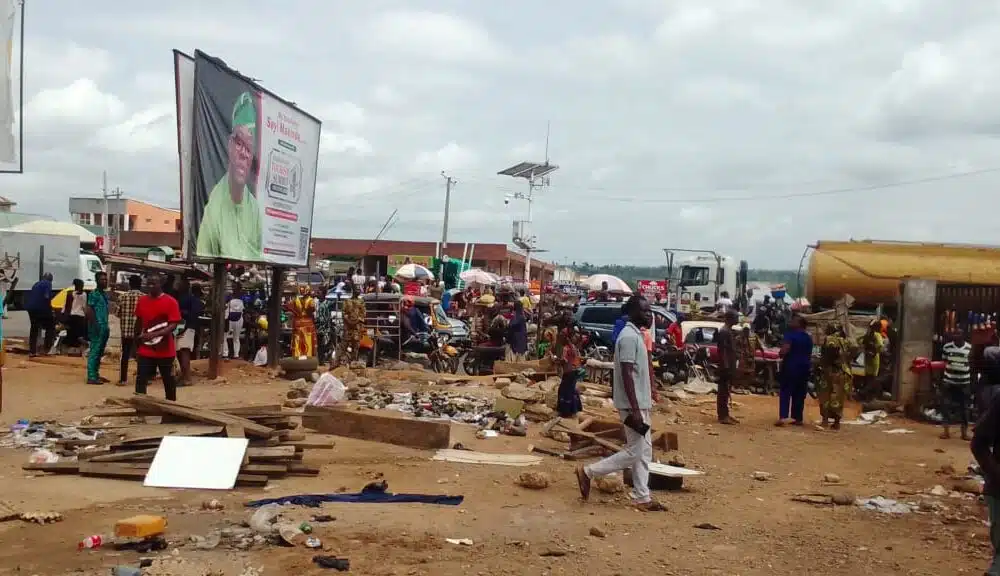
(569, 404)
(956, 385)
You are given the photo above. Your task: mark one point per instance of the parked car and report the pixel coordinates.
(600, 318)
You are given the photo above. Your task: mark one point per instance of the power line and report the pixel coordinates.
(788, 195)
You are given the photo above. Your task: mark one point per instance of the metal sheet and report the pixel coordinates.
(195, 462)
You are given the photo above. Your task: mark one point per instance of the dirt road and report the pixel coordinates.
(761, 531)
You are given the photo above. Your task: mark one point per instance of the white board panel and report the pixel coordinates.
(197, 462)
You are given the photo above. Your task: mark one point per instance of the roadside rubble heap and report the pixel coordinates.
(124, 451)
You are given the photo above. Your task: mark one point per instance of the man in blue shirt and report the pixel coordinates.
(39, 308)
(619, 325)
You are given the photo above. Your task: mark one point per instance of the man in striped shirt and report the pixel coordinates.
(956, 385)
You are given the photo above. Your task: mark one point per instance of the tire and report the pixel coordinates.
(470, 364)
(299, 365)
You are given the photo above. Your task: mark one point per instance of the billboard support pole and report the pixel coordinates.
(274, 317)
(217, 329)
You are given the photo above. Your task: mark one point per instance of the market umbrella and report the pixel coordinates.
(413, 272)
(615, 284)
(478, 276)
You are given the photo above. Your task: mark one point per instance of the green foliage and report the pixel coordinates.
(631, 274)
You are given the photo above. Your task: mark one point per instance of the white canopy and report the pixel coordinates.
(57, 228)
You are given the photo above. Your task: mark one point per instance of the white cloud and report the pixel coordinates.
(82, 102)
(346, 115)
(451, 156)
(153, 128)
(442, 37)
(338, 143)
(388, 96)
(53, 64)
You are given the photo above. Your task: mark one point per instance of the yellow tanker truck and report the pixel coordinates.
(871, 270)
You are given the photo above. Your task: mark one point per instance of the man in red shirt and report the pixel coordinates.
(156, 316)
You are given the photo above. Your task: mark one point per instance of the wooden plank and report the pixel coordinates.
(138, 471)
(235, 431)
(123, 412)
(470, 457)
(310, 444)
(547, 451)
(291, 435)
(145, 432)
(302, 469)
(148, 403)
(271, 453)
(592, 437)
(53, 467)
(124, 456)
(396, 430)
(269, 470)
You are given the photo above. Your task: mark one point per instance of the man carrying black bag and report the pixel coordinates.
(633, 397)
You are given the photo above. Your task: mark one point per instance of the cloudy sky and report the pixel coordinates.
(752, 127)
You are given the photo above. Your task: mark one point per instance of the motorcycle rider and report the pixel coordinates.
(411, 321)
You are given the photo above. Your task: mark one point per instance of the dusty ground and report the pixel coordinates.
(762, 531)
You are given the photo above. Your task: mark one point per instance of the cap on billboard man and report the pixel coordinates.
(231, 224)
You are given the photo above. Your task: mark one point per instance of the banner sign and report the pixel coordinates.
(652, 290)
(396, 260)
(249, 180)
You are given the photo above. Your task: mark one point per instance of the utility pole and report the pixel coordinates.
(448, 183)
(108, 195)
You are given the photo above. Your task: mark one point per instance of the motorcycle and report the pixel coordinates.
(592, 347)
(670, 364)
(479, 360)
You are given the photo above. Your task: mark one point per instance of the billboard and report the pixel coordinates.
(8, 16)
(248, 167)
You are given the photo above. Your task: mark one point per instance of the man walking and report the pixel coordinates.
(157, 314)
(126, 318)
(39, 306)
(986, 449)
(191, 308)
(726, 344)
(98, 328)
(633, 397)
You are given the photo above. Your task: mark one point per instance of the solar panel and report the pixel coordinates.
(529, 170)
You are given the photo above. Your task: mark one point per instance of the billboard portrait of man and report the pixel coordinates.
(231, 223)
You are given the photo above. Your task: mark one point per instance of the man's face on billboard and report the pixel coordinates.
(241, 145)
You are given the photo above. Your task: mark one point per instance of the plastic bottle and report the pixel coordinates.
(90, 542)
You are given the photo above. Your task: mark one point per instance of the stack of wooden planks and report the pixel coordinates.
(125, 451)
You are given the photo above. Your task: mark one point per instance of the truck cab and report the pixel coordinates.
(703, 277)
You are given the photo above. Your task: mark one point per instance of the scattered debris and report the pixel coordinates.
(707, 526)
(885, 505)
(866, 418)
(831, 478)
(41, 517)
(597, 532)
(459, 541)
(761, 476)
(899, 431)
(533, 480)
(339, 564)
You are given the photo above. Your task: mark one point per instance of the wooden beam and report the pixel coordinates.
(148, 403)
(378, 428)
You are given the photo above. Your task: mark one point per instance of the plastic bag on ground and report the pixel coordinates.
(263, 519)
(43, 456)
(327, 391)
(261, 358)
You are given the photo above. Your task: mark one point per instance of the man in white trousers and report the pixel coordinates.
(633, 395)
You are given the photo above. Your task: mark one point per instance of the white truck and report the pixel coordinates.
(701, 278)
(36, 254)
